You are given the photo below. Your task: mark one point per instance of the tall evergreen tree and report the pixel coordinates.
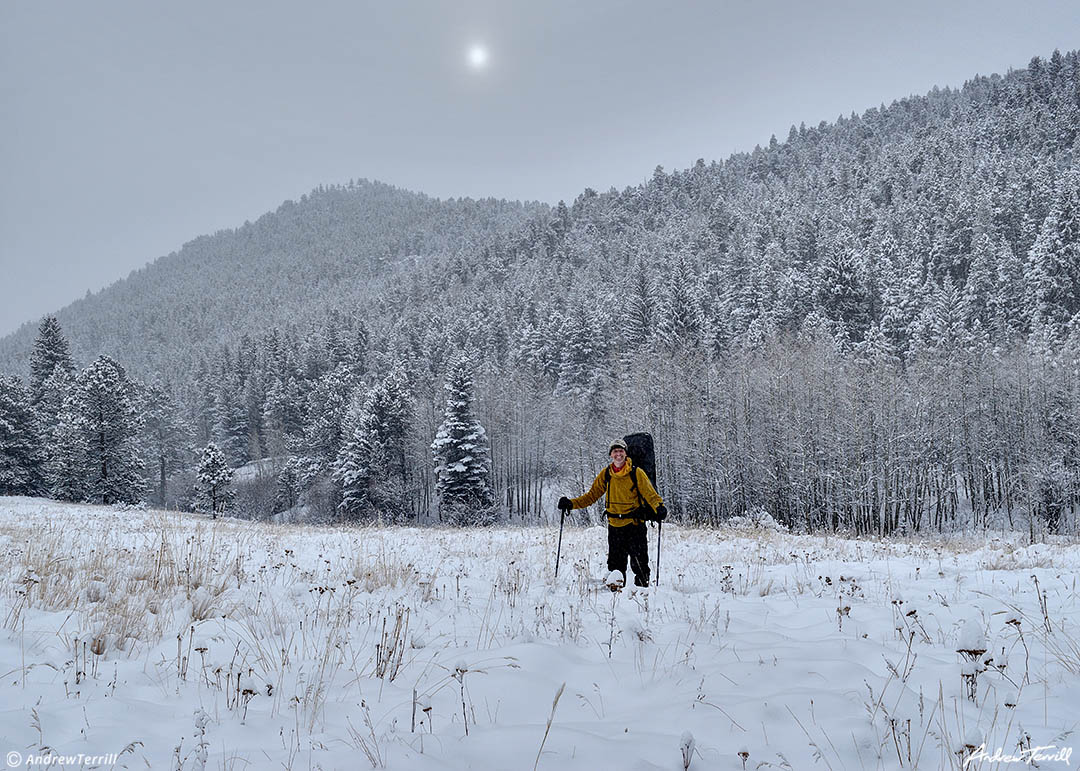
(20, 451)
(282, 414)
(52, 376)
(943, 321)
(640, 309)
(52, 395)
(1054, 261)
(66, 467)
(106, 416)
(581, 351)
(51, 350)
(680, 323)
(166, 435)
(372, 466)
(232, 425)
(327, 407)
(356, 467)
(842, 290)
(460, 450)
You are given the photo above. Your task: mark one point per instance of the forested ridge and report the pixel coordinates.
(873, 325)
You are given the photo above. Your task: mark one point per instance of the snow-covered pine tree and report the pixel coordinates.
(287, 489)
(66, 464)
(580, 355)
(110, 425)
(979, 285)
(355, 464)
(943, 316)
(51, 350)
(680, 324)
(460, 450)
(876, 346)
(52, 375)
(337, 351)
(20, 451)
(254, 396)
(232, 427)
(282, 414)
(842, 292)
(371, 466)
(327, 407)
(640, 309)
(52, 395)
(212, 491)
(1054, 262)
(1006, 302)
(537, 347)
(166, 435)
(900, 304)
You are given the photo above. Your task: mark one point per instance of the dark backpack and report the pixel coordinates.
(639, 449)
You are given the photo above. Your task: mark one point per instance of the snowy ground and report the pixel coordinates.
(178, 642)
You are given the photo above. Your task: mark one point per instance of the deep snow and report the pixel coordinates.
(180, 642)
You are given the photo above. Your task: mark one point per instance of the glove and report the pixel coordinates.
(661, 513)
(565, 504)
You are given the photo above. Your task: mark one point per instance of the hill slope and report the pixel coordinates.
(911, 224)
(332, 249)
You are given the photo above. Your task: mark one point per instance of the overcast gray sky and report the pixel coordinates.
(129, 128)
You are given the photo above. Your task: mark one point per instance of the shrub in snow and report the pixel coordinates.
(202, 604)
(96, 591)
(973, 741)
(686, 746)
(972, 640)
(971, 646)
(198, 763)
(757, 518)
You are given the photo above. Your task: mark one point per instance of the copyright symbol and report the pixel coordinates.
(14, 759)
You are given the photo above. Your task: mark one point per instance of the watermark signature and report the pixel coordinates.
(18, 760)
(1027, 755)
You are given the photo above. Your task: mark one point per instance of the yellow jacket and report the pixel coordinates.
(622, 500)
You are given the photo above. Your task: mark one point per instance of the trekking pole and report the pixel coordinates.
(659, 530)
(558, 552)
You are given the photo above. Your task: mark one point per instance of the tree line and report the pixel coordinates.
(819, 437)
(100, 436)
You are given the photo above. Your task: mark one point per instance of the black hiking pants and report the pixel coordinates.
(629, 541)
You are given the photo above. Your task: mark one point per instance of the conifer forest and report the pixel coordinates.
(869, 326)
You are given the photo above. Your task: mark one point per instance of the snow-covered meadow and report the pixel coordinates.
(177, 642)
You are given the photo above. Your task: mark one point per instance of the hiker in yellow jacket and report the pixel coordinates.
(631, 500)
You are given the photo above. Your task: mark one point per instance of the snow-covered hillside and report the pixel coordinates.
(175, 641)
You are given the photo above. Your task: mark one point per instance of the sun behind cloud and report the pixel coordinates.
(478, 56)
